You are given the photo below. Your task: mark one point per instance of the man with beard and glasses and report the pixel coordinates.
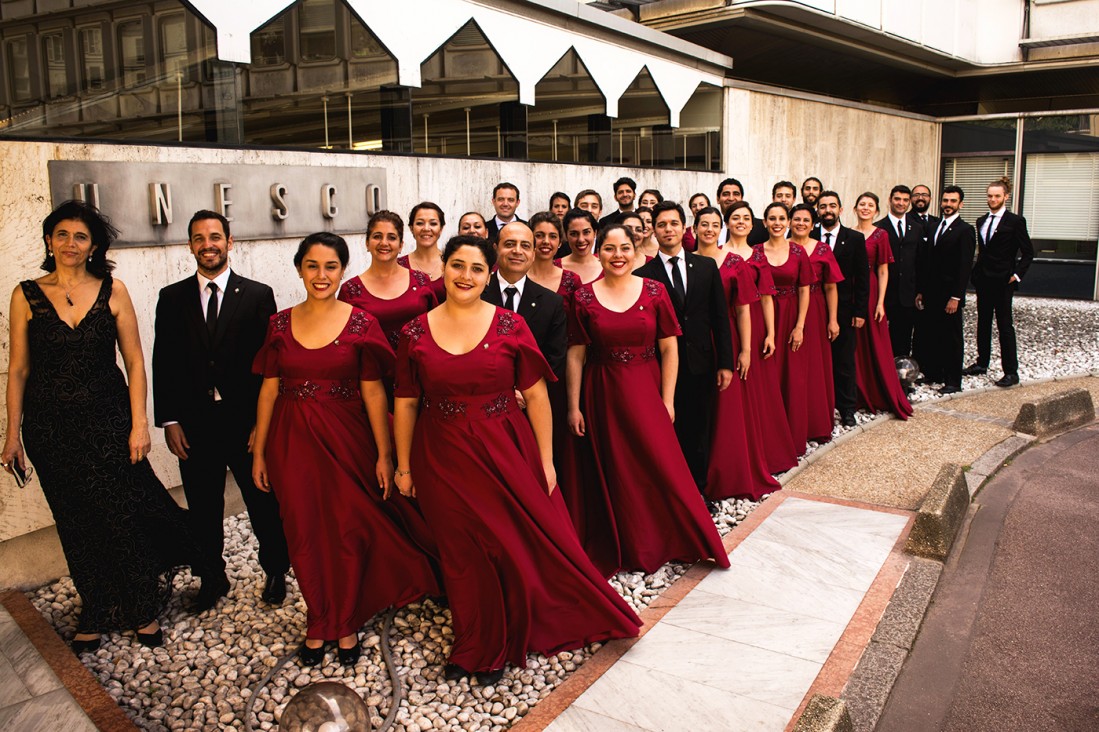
(942, 277)
(853, 293)
(209, 327)
(921, 205)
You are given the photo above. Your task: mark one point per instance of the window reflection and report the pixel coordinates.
(317, 30)
(93, 70)
(57, 74)
(19, 70)
(131, 53)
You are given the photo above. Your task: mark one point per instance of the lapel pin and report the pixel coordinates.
(236, 289)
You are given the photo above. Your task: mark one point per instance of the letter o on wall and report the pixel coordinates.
(328, 203)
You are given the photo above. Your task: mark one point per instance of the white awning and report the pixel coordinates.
(412, 30)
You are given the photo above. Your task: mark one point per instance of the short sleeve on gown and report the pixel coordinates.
(577, 317)
(530, 364)
(745, 284)
(406, 381)
(765, 283)
(376, 359)
(830, 272)
(884, 251)
(266, 362)
(806, 276)
(667, 324)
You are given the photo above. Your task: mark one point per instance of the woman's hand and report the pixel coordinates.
(797, 335)
(670, 406)
(576, 422)
(384, 471)
(743, 362)
(768, 347)
(139, 444)
(879, 313)
(13, 454)
(520, 399)
(833, 330)
(551, 476)
(259, 473)
(403, 481)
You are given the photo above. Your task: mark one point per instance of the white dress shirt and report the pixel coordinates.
(895, 222)
(830, 241)
(681, 264)
(222, 281)
(504, 284)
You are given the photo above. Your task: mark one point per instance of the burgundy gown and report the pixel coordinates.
(879, 388)
(353, 552)
(393, 313)
(738, 465)
(657, 514)
(821, 387)
(764, 390)
(438, 287)
(795, 272)
(516, 577)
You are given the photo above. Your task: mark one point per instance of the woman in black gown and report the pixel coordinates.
(86, 431)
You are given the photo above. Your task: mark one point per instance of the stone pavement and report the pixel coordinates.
(814, 571)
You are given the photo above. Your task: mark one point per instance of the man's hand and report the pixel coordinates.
(858, 322)
(951, 306)
(177, 441)
(724, 378)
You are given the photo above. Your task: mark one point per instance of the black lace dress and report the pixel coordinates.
(121, 532)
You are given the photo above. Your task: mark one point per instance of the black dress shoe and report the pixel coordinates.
(311, 656)
(974, 369)
(1008, 380)
(950, 389)
(489, 678)
(212, 590)
(349, 656)
(274, 590)
(847, 419)
(454, 672)
(85, 646)
(151, 640)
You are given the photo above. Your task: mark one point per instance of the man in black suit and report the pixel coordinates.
(729, 191)
(906, 238)
(505, 202)
(706, 356)
(625, 189)
(943, 273)
(541, 308)
(811, 188)
(209, 327)
(849, 248)
(1004, 254)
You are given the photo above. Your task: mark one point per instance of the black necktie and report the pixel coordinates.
(212, 309)
(677, 278)
(988, 229)
(941, 231)
(828, 239)
(509, 301)
(900, 229)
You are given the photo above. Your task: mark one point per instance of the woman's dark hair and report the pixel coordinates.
(388, 217)
(622, 217)
(471, 213)
(430, 206)
(692, 199)
(658, 194)
(802, 207)
(608, 229)
(872, 196)
(99, 226)
(644, 209)
(579, 213)
(465, 240)
(564, 196)
(775, 204)
(736, 207)
(708, 210)
(545, 217)
(327, 239)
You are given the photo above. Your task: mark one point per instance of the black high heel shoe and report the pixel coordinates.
(151, 640)
(311, 656)
(489, 678)
(349, 656)
(85, 646)
(454, 672)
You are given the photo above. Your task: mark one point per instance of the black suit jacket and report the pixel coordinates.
(707, 341)
(850, 252)
(1009, 252)
(945, 266)
(544, 311)
(758, 234)
(611, 218)
(929, 225)
(188, 366)
(901, 289)
(493, 230)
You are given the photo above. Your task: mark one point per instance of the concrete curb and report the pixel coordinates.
(940, 514)
(1055, 413)
(824, 714)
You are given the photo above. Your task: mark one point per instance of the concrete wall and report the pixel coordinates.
(771, 137)
(455, 184)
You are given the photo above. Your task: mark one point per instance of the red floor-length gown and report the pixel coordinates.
(438, 288)
(657, 514)
(821, 387)
(879, 388)
(516, 577)
(764, 390)
(353, 553)
(738, 465)
(795, 272)
(392, 313)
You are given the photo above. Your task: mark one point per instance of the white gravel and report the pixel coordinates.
(201, 678)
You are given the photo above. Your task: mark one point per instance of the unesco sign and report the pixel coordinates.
(151, 203)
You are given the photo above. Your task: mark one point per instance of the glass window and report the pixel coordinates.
(131, 53)
(269, 44)
(93, 71)
(57, 73)
(173, 47)
(317, 30)
(972, 175)
(19, 70)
